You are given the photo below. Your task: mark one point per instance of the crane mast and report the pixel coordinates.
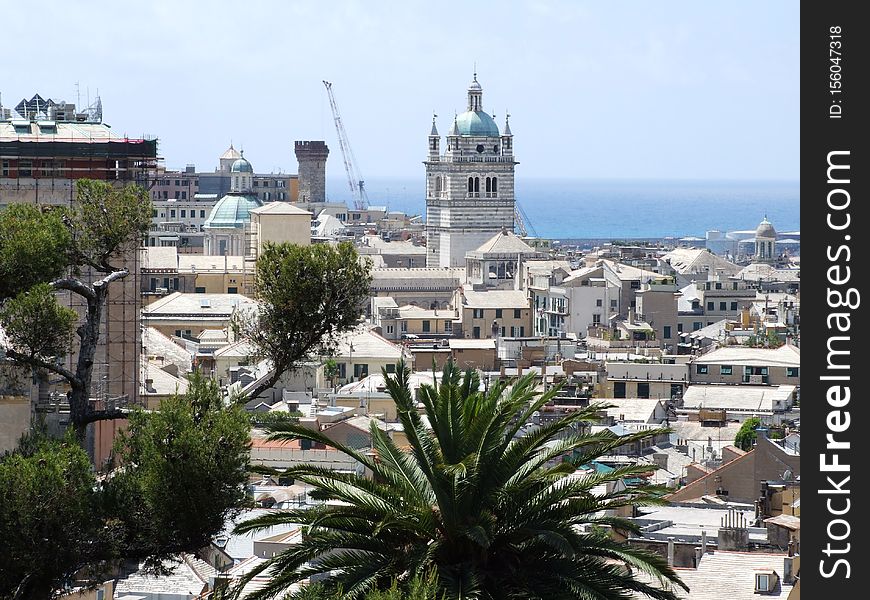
(354, 179)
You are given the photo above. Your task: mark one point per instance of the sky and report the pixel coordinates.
(624, 90)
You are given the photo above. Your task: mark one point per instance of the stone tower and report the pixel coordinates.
(470, 187)
(311, 156)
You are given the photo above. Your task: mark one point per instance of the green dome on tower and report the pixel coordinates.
(241, 165)
(476, 123)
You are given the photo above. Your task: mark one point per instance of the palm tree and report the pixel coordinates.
(492, 513)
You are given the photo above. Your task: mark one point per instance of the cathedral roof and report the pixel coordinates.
(232, 211)
(476, 123)
(505, 242)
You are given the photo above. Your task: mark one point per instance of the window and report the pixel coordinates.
(725, 370)
(643, 389)
(492, 187)
(711, 306)
(403, 327)
(202, 214)
(474, 187)
(427, 326)
(522, 331)
(723, 306)
(153, 213)
(360, 370)
(676, 390)
(667, 332)
(596, 319)
(477, 313)
(199, 290)
(232, 290)
(476, 333)
(390, 329)
(701, 369)
(733, 306)
(679, 328)
(696, 325)
(172, 214)
(256, 183)
(5, 171)
(619, 389)
(792, 371)
(513, 332)
(599, 302)
(448, 327)
(390, 367)
(635, 285)
(266, 183)
(517, 313)
(614, 303)
(177, 183)
(25, 168)
(498, 313)
(718, 285)
(183, 213)
(184, 195)
(756, 375)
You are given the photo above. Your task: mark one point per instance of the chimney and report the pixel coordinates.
(733, 533)
(788, 569)
(703, 542)
(671, 551)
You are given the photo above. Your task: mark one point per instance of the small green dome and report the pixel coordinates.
(232, 211)
(241, 165)
(476, 123)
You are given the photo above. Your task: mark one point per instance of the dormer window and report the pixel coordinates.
(765, 582)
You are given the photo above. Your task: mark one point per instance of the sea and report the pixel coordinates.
(584, 209)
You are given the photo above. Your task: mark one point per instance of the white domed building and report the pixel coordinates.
(227, 228)
(765, 242)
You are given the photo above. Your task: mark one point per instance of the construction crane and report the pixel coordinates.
(522, 221)
(354, 178)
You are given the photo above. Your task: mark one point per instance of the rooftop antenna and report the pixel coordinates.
(78, 96)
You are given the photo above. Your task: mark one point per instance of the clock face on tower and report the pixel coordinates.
(480, 148)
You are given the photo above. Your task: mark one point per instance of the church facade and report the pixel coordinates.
(470, 186)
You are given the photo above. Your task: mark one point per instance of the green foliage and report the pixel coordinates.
(108, 221)
(490, 514)
(747, 435)
(265, 419)
(183, 473)
(184, 468)
(34, 247)
(53, 521)
(37, 324)
(418, 588)
(307, 295)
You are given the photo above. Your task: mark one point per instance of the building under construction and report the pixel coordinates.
(45, 146)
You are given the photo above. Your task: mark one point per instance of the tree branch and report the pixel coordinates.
(113, 276)
(35, 361)
(76, 286)
(105, 415)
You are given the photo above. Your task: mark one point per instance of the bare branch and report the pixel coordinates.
(76, 286)
(113, 276)
(105, 415)
(36, 361)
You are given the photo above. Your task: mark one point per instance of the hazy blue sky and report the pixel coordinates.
(631, 89)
